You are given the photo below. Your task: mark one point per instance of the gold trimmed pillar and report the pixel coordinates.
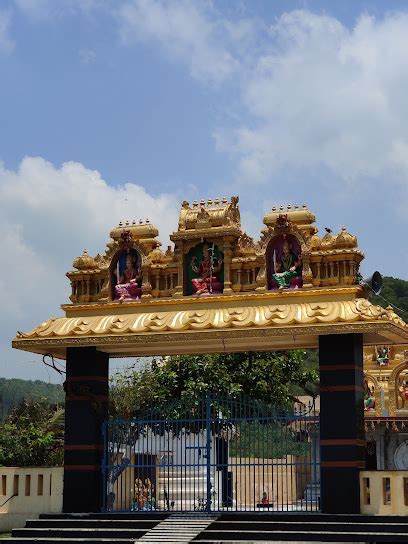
(342, 438)
(86, 407)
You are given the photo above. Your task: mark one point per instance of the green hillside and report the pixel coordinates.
(13, 390)
(394, 291)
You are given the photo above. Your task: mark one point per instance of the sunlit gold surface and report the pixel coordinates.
(245, 316)
(284, 325)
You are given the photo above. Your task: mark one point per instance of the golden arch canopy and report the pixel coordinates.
(247, 314)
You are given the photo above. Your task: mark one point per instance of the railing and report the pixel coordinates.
(384, 492)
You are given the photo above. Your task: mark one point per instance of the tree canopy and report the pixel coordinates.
(12, 391)
(395, 292)
(271, 377)
(32, 435)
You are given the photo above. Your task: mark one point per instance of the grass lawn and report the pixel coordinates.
(5, 535)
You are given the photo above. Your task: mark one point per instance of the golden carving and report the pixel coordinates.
(330, 262)
(218, 318)
(85, 262)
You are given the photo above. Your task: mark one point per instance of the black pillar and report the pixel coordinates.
(342, 440)
(86, 406)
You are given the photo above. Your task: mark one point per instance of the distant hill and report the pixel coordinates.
(394, 291)
(13, 390)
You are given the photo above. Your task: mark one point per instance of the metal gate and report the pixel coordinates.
(213, 455)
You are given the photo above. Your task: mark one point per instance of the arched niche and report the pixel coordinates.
(196, 270)
(398, 386)
(127, 264)
(274, 252)
(372, 387)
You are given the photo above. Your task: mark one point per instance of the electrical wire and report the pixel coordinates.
(60, 371)
(391, 304)
(365, 284)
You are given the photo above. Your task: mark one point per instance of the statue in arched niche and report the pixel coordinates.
(285, 263)
(369, 398)
(205, 269)
(402, 389)
(127, 276)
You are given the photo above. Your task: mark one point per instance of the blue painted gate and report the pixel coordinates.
(214, 454)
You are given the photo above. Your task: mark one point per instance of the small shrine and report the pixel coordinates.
(289, 255)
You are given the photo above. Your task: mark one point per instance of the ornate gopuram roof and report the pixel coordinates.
(217, 289)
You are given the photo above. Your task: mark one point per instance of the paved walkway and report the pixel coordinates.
(178, 528)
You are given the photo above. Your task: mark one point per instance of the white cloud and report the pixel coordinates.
(87, 56)
(49, 9)
(6, 43)
(191, 32)
(324, 96)
(48, 216)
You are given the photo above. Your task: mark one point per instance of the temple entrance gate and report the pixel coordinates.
(216, 454)
(216, 290)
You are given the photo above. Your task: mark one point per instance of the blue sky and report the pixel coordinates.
(120, 109)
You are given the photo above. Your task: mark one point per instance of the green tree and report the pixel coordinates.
(395, 292)
(271, 377)
(12, 391)
(32, 435)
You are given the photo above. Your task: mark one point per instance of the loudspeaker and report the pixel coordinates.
(373, 283)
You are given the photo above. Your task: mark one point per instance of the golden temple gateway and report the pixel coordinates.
(217, 289)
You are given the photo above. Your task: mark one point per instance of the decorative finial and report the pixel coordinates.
(304, 206)
(224, 200)
(289, 207)
(195, 204)
(127, 223)
(209, 202)
(140, 221)
(296, 206)
(147, 221)
(120, 224)
(281, 208)
(133, 222)
(273, 208)
(217, 201)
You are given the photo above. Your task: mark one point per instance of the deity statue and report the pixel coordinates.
(286, 268)
(403, 391)
(382, 355)
(369, 400)
(129, 281)
(207, 281)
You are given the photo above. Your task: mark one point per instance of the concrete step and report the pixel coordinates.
(44, 540)
(229, 528)
(78, 532)
(297, 536)
(68, 523)
(107, 516)
(325, 526)
(178, 528)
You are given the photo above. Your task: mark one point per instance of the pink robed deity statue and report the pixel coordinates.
(130, 281)
(207, 281)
